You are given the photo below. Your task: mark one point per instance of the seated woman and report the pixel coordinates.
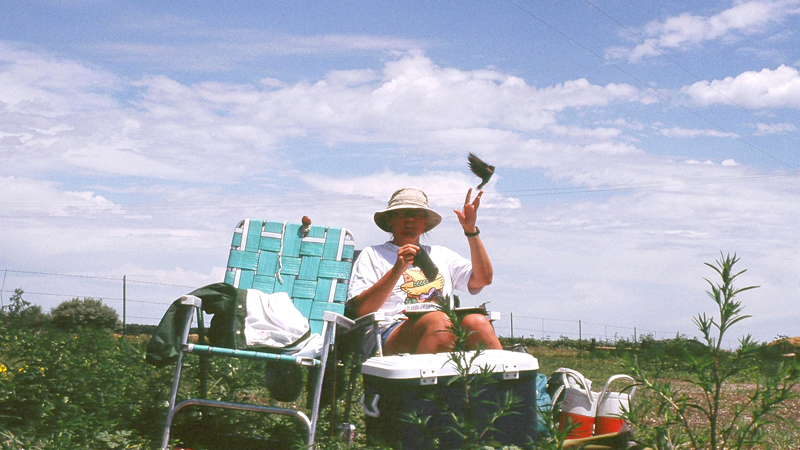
(384, 278)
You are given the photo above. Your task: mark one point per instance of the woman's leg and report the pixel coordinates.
(430, 334)
(427, 334)
(481, 332)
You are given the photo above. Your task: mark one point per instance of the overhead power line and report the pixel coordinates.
(94, 277)
(697, 77)
(647, 86)
(102, 297)
(355, 203)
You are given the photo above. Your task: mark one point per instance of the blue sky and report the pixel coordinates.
(633, 142)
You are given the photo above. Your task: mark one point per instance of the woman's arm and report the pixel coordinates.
(373, 298)
(482, 271)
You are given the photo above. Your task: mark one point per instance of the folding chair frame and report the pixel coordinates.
(311, 264)
(332, 321)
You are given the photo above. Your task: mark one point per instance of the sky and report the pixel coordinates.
(633, 142)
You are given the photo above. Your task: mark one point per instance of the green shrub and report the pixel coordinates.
(86, 312)
(692, 413)
(21, 313)
(64, 390)
(462, 414)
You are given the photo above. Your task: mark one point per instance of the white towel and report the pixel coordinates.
(272, 320)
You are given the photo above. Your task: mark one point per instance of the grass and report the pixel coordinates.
(133, 392)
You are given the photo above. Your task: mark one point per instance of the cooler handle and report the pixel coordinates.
(371, 410)
(614, 378)
(556, 394)
(580, 382)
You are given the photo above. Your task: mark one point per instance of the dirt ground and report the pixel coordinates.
(780, 435)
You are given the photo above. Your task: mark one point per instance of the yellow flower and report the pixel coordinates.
(3, 368)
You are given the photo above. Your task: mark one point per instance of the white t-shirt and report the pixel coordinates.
(412, 291)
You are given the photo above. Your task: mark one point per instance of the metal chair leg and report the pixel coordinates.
(176, 381)
(327, 332)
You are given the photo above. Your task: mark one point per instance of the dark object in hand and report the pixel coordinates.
(423, 261)
(480, 168)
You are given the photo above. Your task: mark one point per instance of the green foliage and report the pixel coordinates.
(693, 414)
(65, 390)
(465, 420)
(21, 313)
(91, 389)
(16, 305)
(554, 438)
(86, 312)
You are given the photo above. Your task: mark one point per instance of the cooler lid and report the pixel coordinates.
(406, 366)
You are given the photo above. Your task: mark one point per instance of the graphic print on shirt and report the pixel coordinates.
(419, 290)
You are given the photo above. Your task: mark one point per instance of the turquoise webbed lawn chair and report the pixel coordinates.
(312, 264)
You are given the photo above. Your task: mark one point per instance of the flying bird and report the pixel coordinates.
(481, 169)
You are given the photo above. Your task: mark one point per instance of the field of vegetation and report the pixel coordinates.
(68, 380)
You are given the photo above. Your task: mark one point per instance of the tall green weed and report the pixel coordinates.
(696, 411)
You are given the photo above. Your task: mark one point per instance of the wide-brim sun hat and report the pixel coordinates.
(407, 198)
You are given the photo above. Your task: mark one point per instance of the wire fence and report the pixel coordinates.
(544, 328)
(144, 302)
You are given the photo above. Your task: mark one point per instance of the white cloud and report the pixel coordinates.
(626, 123)
(686, 30)
(37, 83)
(215, 131)
(27, 198)
(612, 148)
(596, 133)
(446, 190)
(773, 128)
(225, 50)
(779, 88)
(655, 237)
(695, 132)
(728, 162)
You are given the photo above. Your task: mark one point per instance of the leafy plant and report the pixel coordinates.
(555, 436)
(86, 312)
(466, 417)
(20, 312)
(692, 414)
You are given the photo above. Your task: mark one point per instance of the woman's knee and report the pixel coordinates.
(477, 323)
(481, 332)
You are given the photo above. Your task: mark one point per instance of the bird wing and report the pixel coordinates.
(478, 167)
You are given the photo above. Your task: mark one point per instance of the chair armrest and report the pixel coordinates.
(370, 318)
(191, 300)
(349, 324)
(338, 319)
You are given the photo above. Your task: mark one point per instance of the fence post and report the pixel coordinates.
(580, 340)
(124, 303)
(5, 274)
(512, 328)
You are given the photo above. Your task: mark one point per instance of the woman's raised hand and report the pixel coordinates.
(469, 214)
